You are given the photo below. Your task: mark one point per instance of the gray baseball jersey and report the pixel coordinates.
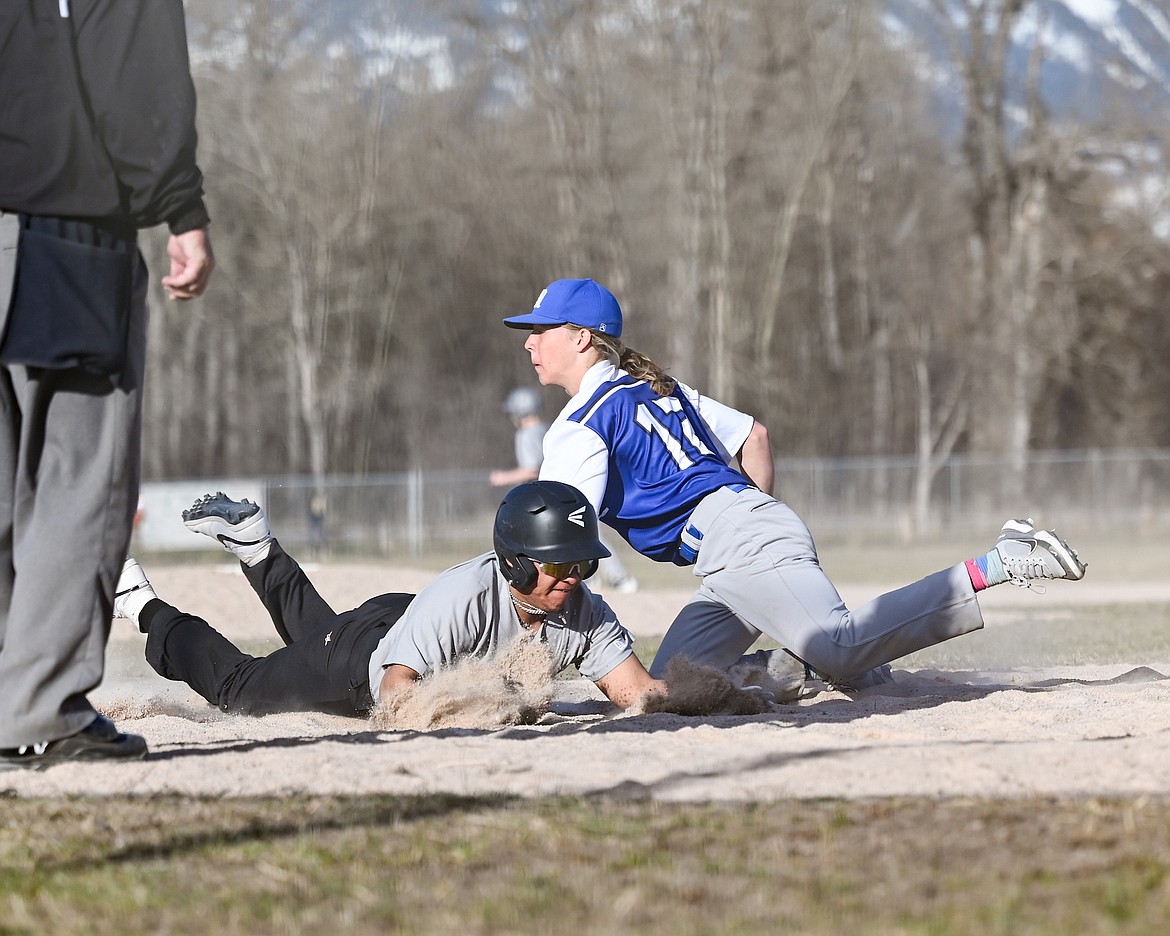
(530, 446)
(468, 610)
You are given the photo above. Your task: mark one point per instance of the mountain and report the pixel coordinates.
(1095, 52)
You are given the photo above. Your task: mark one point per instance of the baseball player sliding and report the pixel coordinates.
(686, 479)
(529, 587)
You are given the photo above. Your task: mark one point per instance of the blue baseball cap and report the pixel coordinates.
(574, 301)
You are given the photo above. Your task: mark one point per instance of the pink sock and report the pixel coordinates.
(978, 579)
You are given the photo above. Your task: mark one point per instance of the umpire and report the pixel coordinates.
(97, 141)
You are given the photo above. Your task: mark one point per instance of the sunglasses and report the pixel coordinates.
(582, 568)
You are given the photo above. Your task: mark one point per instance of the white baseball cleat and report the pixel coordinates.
(132, 592)
(239, 526)
(1029, 554)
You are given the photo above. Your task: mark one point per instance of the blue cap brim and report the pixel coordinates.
(532, 318)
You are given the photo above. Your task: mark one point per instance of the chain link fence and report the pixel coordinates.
(410, 514)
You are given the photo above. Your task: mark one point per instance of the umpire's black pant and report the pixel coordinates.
(324, 665)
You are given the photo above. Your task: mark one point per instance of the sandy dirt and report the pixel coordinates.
(1089, 730)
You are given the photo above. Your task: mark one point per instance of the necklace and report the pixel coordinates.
(527, 608)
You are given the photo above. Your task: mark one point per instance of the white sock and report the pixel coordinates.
(132, 603)
(254, 554)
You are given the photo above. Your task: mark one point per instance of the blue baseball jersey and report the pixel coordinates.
(660, 457)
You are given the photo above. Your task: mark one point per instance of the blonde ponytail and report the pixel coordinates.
(634, 363)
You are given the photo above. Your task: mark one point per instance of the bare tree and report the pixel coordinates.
(757, 180)
(823, 83)
(1003, 207)
(710, 26)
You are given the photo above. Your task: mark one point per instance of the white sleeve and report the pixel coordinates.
(609, 643)
(576, 455)
(730, 427)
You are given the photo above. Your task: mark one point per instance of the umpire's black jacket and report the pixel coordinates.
(97, 113)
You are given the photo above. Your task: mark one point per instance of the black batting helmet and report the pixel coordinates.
(545, 521)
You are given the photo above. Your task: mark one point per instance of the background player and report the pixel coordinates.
(530, 586)
(523, 407)
(654, 458)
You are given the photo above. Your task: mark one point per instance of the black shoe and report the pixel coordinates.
(98, 741)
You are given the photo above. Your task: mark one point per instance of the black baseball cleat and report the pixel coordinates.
(98, 742)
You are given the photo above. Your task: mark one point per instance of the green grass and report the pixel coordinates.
(857, 559)
(1118, 556)
(471, 866)
(1056, 635)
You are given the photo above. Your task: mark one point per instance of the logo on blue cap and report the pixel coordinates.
(583, 302)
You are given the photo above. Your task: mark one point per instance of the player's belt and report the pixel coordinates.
(701, 517)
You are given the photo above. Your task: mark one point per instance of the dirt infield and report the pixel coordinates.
(1097, 728)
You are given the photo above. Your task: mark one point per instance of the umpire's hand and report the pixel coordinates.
(191, 264)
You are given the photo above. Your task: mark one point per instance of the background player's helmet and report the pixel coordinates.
(545, 521)
(521, 402)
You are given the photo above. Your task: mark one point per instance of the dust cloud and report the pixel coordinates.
(701, 690)
(514, 688)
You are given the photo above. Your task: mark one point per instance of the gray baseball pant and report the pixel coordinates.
(69, 469)
(760, 573)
